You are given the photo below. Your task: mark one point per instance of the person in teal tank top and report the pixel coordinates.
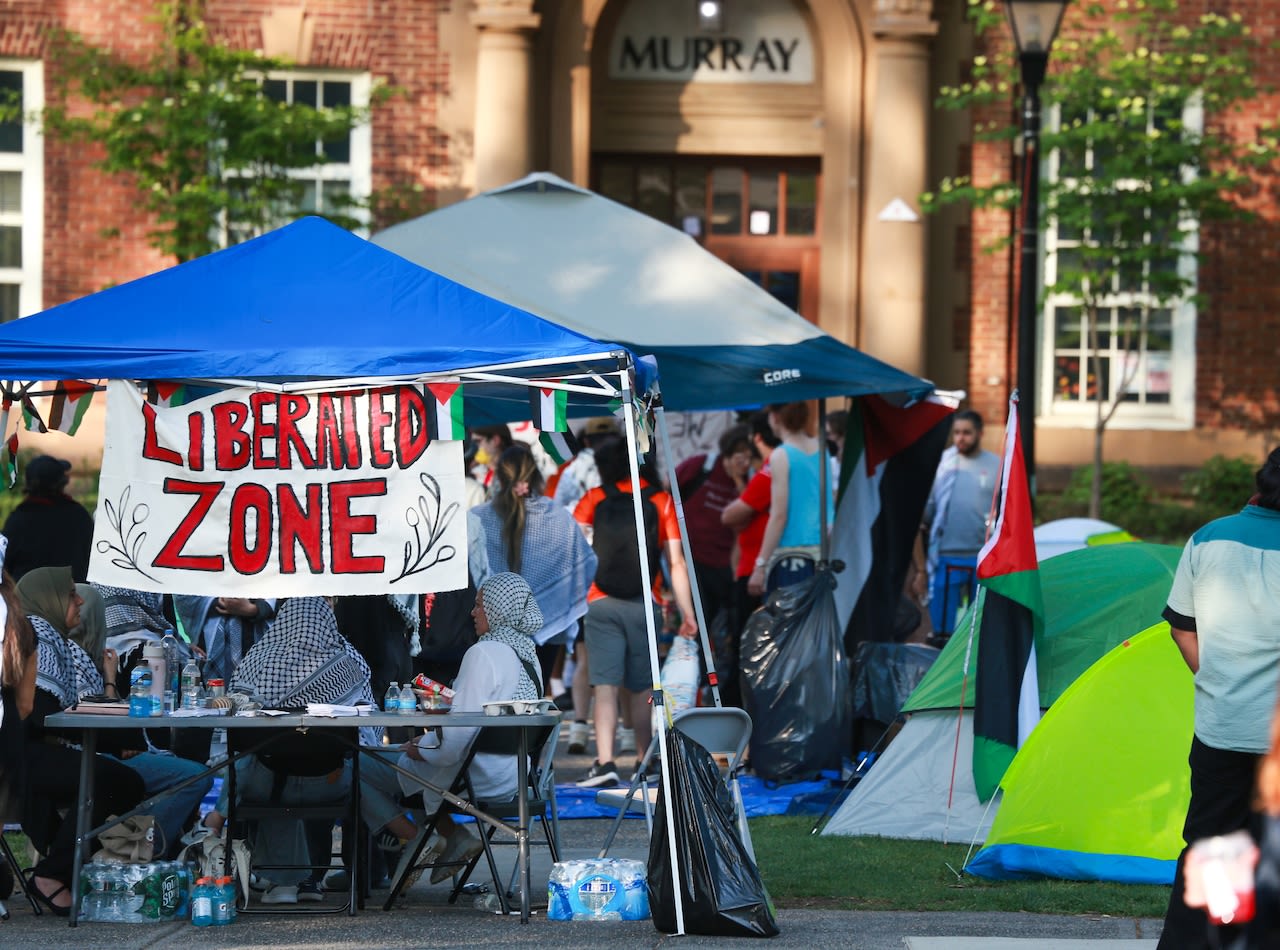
(790, 550)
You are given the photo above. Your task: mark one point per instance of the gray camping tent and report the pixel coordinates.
(604, 270)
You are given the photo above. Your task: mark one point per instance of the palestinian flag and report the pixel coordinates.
(549, 408)
(71, 399)
(444, 412)
(890, 456)
(556, 445)
(31, 420)
(1009, 617)
(166, 394)
(8, 454)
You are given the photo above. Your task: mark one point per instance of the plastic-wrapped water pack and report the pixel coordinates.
(598, 889)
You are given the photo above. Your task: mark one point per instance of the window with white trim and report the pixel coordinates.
(1158, 358)
(21, 192)
(348, 171)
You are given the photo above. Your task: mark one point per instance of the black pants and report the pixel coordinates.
(1222, 786)
(53, 779)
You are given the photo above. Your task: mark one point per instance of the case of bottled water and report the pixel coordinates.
(598, 889)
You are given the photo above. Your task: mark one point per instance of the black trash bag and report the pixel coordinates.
(795, 682)
(720, 885)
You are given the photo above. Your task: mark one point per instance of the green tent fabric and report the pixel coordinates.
(1093, 599)
(1099, 790)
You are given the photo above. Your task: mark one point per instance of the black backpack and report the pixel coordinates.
(614, 540)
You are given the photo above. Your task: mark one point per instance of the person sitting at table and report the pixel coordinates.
(98, 667)
(502, 665)
(52, 759)
(302, 659)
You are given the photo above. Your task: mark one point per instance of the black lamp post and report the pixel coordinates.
(1035, 26)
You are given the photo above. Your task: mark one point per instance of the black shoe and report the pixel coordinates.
(564, 702)
(600, 776)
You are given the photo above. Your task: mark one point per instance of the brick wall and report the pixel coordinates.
(94, 234)
(1238, 327)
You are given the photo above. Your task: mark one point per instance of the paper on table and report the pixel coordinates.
(188, 713)
(331, 709)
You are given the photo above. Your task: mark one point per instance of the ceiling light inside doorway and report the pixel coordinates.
(710, 14)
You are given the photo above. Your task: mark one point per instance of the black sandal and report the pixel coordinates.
(47, 899)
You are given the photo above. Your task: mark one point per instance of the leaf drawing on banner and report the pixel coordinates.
(429, 521)
(127, 552)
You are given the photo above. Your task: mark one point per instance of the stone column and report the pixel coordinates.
(503, 146)
(893, 267)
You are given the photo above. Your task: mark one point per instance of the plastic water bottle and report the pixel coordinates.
(191, 684)
(202, 903)
(140, 689)
(153, 653)
(170, 644)
(224, 902)
(408, 700)
(229, 891)
(391, 702)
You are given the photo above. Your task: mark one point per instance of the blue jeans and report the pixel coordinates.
(951, 586)
(789, 570)
(284, 840)
(160, 771)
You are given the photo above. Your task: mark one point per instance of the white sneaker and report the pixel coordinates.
(280, 894)
(579, 733)
(428, 856)
(458, 851)
(626, 740)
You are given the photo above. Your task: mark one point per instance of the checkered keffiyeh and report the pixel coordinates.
(304, 659)
(55, 665)
(514, 618)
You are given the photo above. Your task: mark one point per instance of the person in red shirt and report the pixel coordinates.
(748, 514)
(615, 630)
(708, 482)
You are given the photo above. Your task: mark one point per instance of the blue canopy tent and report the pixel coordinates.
(310, 301)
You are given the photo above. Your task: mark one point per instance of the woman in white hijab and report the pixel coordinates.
(502, 665)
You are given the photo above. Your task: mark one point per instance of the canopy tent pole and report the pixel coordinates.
(646, 580)
(707, 655)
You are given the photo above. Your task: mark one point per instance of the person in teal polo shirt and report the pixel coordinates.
(1224, 615)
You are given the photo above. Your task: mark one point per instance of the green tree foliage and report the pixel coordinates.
(209, 152)
(1135, 179)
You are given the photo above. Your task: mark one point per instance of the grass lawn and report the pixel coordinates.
(803, 870)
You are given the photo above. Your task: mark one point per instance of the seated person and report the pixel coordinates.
(502, 665)
(52, 760)
(100, 671)
(301, 659)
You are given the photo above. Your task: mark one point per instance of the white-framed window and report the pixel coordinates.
(1159, 359)
(21, 193)
(348, 173)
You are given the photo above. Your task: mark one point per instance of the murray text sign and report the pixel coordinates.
(265, 494)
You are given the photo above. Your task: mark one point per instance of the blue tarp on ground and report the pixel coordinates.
(758, 796)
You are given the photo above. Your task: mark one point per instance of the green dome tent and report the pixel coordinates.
(1095, 598)
(1099, 790)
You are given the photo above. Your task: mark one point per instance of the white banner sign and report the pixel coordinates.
(260, 494)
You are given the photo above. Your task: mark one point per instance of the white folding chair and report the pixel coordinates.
(722, 731)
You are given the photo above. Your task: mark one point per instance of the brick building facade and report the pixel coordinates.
(787, 135)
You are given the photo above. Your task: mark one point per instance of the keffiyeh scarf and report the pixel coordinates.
(304, 659)
(514, 618)
(134, 617)
(63, 670)
(556, 560)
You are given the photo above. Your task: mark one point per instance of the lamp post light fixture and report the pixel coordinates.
(710, 15)
(1035, 26)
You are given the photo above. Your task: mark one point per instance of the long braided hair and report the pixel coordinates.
(518, 478)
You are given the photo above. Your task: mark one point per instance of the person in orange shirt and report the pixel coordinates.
(615, 629)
